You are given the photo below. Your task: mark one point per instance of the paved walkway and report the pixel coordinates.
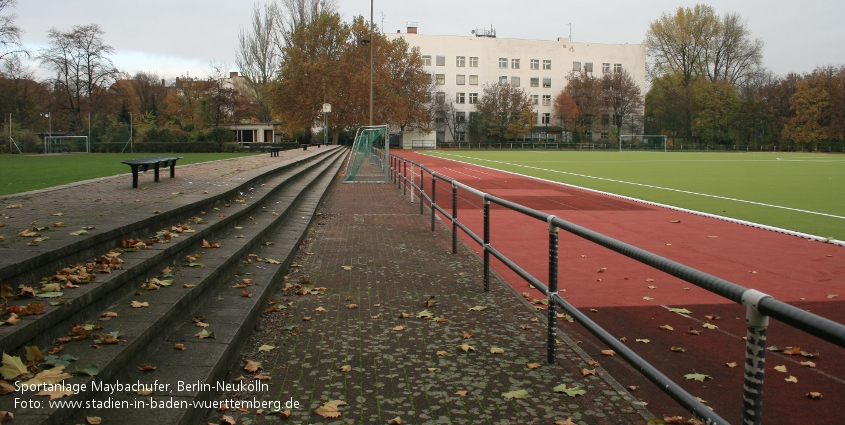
(363, 341)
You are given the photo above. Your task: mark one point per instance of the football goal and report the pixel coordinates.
(642, 142)
(368, 159)
(66, 144)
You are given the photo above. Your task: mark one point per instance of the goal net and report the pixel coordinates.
(367, 161)
(642, 142)
(66, 144)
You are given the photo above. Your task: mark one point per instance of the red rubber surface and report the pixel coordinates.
(807, 274)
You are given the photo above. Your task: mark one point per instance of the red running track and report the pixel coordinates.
(630, 299)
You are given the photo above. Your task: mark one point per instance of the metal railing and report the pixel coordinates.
(759, 306)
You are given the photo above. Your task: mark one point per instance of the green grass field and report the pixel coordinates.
(801, 192)
(21, 173)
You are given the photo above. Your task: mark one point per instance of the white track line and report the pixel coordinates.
(719, 217)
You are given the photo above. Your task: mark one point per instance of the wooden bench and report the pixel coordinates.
(144, 164)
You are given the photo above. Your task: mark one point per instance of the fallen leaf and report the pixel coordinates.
(180, 347)
(697, 376)
(808, 364)
(586, 372)
(252, 366)
(515, 394)
(633, 387)
(138, 304)
(478, 308)
(709, 325)
(396, 421)
(533, 365)
(608, 353)
(466, 335)
(572, 392)
(346, 368)
(203, 334)
(461, 393)
(692, 331)
(814, 395)
(425, 314)
(648, 298)
(399, 328)
(792, 379)
(496, 350)
(147, 368)
(58, 392)
(781, 368)
(643, 340)
(731, 365)
(329, 409)
(466, 347)
(711, 316)
(680, 311)
(442, 353)
(593, 363)
(568, 421)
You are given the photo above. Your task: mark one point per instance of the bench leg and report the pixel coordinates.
(134, 176)
(156, 173)
(172, 169)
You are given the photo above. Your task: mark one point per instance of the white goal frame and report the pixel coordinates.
(642, 135)
(50, 141)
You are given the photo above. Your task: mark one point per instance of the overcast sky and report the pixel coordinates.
(182, 37)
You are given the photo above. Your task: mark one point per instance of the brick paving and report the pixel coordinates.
(377, 259)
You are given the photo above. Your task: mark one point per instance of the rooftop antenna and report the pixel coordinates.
(570, 31)
(382, 21)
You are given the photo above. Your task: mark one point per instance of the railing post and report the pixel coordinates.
(413, 182)
(552, 310)
(486, 244)
(422, 189)
(433, 198)
(404, 178)
(755, 357)
(454, 218)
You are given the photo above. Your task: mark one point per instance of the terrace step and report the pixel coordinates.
(286, 200)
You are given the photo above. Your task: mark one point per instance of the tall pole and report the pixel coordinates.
(371, 62)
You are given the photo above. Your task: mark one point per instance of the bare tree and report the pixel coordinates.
(678, 43)
(10, 34)
(84, 71)
(586, 91)
(731, 55)
(302, 12)
(259, 56)
(446, 116)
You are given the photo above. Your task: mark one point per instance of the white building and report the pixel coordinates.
(461, 65)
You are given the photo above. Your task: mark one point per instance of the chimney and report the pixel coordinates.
(233, 74)
(412, 27)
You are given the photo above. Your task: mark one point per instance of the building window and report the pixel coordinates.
(503, 62)
(617, 67)
(546, 118)
(547, 64)
(440, 97)
(427, 60)
(605, 67)
(428, 77)
(535, 64)
(473, 80)
(515, 81)
(588, 67)
(460, 117)
(547, 82)
(515, 63)
(460, 136)
(440, 79)
(460, 61)
(503, 79)
(534, 99)
(428, 97)
(547, 100)
(535, 82)
(441, 61)
(473, 62)
(473, 98)
(460, 97)
(460, 79)
(576, 66)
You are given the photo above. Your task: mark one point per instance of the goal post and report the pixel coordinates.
(368, 159)
(642, 142)
(66, 144)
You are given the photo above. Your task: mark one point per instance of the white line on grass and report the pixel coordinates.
(653, 187)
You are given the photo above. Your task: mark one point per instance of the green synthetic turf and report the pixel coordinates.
(21, 173)
(811, 182)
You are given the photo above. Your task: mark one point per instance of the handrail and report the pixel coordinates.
(759, 306)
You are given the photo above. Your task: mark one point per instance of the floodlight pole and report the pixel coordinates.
(371, 62)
